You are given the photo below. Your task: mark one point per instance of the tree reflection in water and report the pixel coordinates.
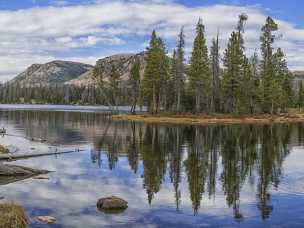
(245, 153)
(209, 157)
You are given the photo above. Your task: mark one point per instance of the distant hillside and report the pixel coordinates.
(73, 73)
(123, 63)
(55, 72)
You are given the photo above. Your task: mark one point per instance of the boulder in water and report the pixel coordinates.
(112, 203)
(3, 131)
(15, 170)
(46, 219)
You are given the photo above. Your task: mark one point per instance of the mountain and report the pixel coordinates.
(73, 73)
(122, 62)
(48, 74)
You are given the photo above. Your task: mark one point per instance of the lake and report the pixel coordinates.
(171, 175)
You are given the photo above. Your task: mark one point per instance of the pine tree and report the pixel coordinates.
(164, 75)
(178, 79)
(114, 85)
(156, 74)
(233, 59)
(284, 78)
(300, 95)
(234, 73)
(215, 70)
(199, 72)
(269, 88)
(134, 83)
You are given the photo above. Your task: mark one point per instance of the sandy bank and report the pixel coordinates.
(212, 119)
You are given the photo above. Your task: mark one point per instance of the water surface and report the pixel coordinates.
(172, 176)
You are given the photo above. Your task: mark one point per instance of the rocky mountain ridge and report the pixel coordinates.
(77, 74)
(55, 72)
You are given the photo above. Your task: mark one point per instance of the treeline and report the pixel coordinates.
(234, 83)
(58, 94)
(208, 82)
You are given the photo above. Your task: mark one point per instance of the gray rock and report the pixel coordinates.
(14, 170)
(46, 219)
(112, 203)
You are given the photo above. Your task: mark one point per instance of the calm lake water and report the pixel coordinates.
(172, 176)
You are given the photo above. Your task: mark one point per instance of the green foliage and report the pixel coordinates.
(215, 71)
(134, 83)
(300, 102)
(199, 72)
(178, 73)
(156, 74)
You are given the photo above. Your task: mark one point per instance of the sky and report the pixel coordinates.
(39, 31)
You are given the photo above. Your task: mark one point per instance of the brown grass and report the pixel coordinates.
(12, 216)
(213, 119)
(3, 150)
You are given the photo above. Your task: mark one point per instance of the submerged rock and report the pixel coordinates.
(4, 150)
(12, 216)
(3, 131)
(15, 170)
(112, 203)
(46, 219)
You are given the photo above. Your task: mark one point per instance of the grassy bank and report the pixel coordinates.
(12, 216)
(212, 119)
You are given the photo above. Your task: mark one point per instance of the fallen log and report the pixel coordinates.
(11, 157)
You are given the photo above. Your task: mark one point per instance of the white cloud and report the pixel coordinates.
(56, 31)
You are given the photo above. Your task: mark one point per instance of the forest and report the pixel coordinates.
(208, 82)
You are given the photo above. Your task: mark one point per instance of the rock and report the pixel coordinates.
(112, 203)
(4, 150)
(14, 170)
(12, 215)
(46, 219)
(3, 131)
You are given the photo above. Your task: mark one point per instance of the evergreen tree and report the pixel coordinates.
(236, 68)
(300, 95)
(199, 72)
(134, 83)
(178, 76)
(284, 77)
(156, 74)
(269, 89)
(114, 85)
(215, 70)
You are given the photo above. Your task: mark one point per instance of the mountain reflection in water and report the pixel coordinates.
(204, 165)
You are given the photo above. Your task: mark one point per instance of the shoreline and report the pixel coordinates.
(212, 119)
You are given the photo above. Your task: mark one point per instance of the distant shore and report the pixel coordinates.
(68, 108)
(213, 119)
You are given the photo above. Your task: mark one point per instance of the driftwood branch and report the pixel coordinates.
(10, 157)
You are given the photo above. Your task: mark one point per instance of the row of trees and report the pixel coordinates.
(62, 94)
(241, 85)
